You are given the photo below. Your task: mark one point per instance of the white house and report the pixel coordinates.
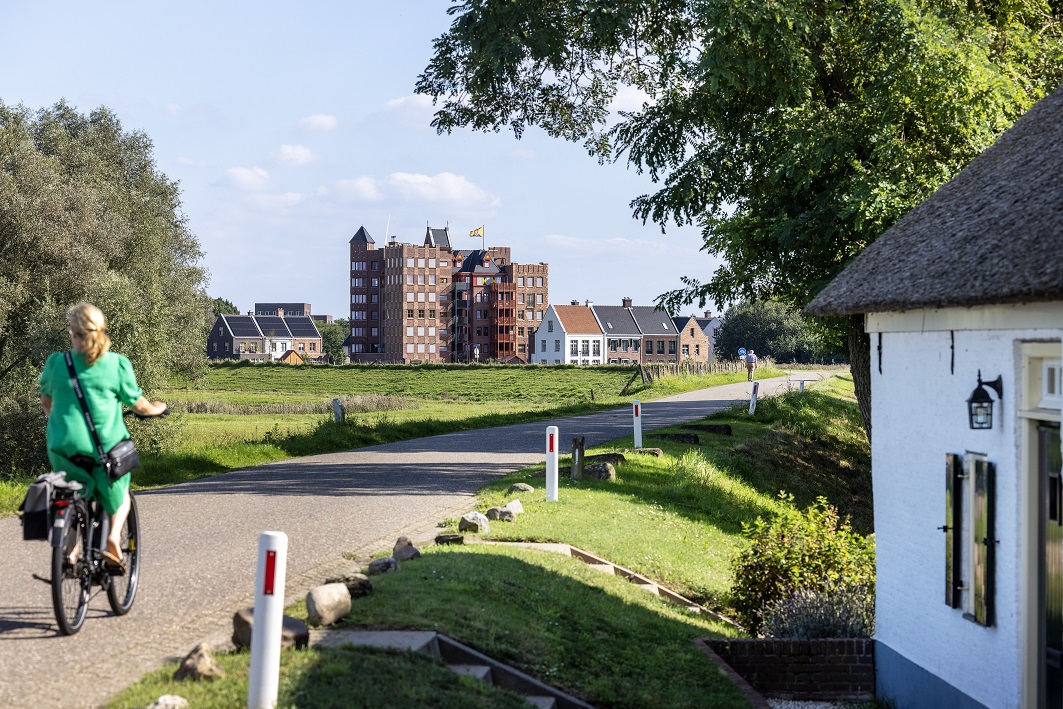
(569, 334)
(963, 303)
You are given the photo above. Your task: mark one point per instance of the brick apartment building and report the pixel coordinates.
(431, 302)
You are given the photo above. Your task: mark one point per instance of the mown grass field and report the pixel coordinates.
(677, 519)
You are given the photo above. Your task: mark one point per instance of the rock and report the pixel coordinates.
(198, 665)
(328, 603)
(655, 452)
(474, 522)
(383, 566)
(493, 513)
(294, 632)
(358, 584)
(520, 487)
(457, 539)
(599, 471)
(722, 429)
(514, 506)
(169, 701)
(611, 458)
(691, 438)
(404, 550)
(505, 515)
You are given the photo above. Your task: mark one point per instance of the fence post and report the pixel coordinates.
(551, 463)
(268, 621)
(636, 410)
(577, 458)
(802, 386)
(338, 412)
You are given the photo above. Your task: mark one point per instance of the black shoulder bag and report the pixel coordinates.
(123, 457)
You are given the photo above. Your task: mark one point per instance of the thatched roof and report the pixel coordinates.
(991, 235)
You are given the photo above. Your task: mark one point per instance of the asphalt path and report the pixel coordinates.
(200, 542)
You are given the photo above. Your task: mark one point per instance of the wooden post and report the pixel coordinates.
(577, 459)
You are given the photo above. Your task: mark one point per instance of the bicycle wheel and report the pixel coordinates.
(123, 589)
(72, 581)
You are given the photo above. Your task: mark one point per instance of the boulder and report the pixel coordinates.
(294, 632)
(457, 539)
(169, 701)
(404, 550)
(473, 522)
(611, 458)
(492, 513)
(383, 566)
(358, 584)
(328, 603)
(599, 471)
(520, 487)
(655, 452)
(514, 506)
(198, 665)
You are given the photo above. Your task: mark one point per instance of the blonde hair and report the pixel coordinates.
(89, 322)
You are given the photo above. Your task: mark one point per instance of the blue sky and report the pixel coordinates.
(289, 125)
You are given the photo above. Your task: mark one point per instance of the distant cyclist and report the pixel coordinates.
(108, 382)
(751, 363)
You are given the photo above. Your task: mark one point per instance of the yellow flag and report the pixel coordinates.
(477, 232)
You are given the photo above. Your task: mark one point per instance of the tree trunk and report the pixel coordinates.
(860, 366)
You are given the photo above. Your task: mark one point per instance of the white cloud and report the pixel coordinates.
(190, 162)
(248, 178)
(416, 108)
(455, 191)
(295, 155)
(320, 121)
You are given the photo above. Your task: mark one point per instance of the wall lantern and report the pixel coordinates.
(980, 405)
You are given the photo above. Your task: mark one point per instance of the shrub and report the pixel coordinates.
(797, 550)
(839, 611)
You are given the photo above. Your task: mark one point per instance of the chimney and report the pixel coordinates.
(626, 302)
(280, 312)
(575, 302)
(708, 315)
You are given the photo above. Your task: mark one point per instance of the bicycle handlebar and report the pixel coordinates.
(131, 412)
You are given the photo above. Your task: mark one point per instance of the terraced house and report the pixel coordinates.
(265, 338)
(432, 302)
(628, 334)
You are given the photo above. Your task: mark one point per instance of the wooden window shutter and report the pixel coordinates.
(984, 553)
(953, 539)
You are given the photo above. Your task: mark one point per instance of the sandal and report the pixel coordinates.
(112, 564)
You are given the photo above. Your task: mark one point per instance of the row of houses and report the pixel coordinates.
(276, 337)
(591, 334)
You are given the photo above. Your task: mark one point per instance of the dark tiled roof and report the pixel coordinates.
(653, 321)
(681, 322)
(474, 263)
(437, 237)
(991, 235)
(361, 237)
(616, 321)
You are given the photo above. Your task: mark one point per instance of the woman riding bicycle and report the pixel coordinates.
(107, 381)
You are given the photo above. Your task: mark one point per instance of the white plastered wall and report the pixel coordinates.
(919, 414)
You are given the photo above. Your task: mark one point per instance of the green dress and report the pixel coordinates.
(107, 384)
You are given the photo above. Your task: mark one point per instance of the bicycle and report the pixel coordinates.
(78, 538)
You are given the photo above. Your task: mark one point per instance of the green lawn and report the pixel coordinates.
(677, 519)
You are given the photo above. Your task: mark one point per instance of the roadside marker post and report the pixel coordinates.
(636, 411)
(753, 398)
(551, 463)
(802, 386)
(268, 620)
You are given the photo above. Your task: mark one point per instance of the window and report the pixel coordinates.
(522, 348)
(409, 331)
(596, 350)
(538, 297)
(539, 282)
(420, 297)
(357, 283)
(420, 263)
(374, 331)
(520, 315)
(226, 346)
(409, 279)
(357, 332)
(358, 298)
(444, 263)
(520, 331)
(358, 315)
(520, 297)
(1051, 384)
(420, 348)
(431, 279)
(302, 346)
(520, 282)
(538, 315)
(431, 314)
(215, 347)
(543, 348)
(660, 347)
(550, 326)
(697, 350)
(374, 265)
(358, 266)
(431, 331)
(649, 346)
(374, 315)
(420, 313)
(585, 348)
(420, 279)
(409, 262)
(409, 313)
(691, 332)
(357, 347)
(432, 297)
(431, 263)
(374, 298)
(970, 535)
(671, 347)
(557, 345)
(409, 347)
(686, 350)
(375, 282)
(420, 330)
(313, 347)
(573, 348)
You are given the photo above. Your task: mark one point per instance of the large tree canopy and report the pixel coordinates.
(792, 132)
(85, 215)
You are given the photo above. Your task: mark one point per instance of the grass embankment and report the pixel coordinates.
(676, 519)
(241, 415)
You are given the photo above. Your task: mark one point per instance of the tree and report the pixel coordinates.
(85, 215)
(771, 328)
(792, 132)
(332, 336)
(221, 306)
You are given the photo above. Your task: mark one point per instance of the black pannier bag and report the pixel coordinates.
(36, 507)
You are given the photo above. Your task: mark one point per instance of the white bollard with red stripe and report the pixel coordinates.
(551, 463)
(636, 410)
(753, 398)
(269, 620)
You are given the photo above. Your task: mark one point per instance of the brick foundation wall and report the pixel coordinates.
(824, 670)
